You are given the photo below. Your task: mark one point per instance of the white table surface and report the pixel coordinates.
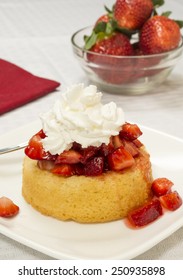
(36, 36)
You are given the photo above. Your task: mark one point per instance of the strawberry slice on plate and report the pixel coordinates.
(171, 201)
(146, 214)
(7, 207)
(161, 186)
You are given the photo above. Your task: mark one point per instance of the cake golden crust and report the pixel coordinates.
(103, 198)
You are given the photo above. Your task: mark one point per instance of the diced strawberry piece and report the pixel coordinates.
(130, 131)
(104, 149)
(78, 169)
(117, 142)
(146, 214)
(7, 207)
(69, 157)
(94, 167)
(120, 159)
(76, 146)
(41, 134)
(45, 164)
(171, 201)
(35, 150)
(161, 186)
(88, 153)
(130, 147)
(137, 143)
(63, 169)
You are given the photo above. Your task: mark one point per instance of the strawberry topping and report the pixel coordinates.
(35, 150)
(120, 159)
(130, 131)
(131, 147)
(69, 157)
(119, 154)
(94, 167)
(63, 169)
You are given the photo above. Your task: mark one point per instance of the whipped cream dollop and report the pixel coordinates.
(79, 116)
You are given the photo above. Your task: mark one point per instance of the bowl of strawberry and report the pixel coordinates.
(130, 49)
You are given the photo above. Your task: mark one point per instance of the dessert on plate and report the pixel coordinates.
(86, 163)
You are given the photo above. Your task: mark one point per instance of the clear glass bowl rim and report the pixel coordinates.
(168, 53)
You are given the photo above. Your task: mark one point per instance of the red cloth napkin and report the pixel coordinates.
(18, 86)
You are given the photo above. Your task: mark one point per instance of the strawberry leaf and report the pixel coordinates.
(110, 12)
(100, 27)
(158, 3)
(126, 31)
(106, 27)
(101, 30)
(180, 23)
(90, 40)
(166, 14)
(110, 27)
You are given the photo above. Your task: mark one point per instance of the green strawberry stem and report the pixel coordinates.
(90, 40)
(158, 3)
(109, 12)
(166, 14)
(179, 22)
(105, 29)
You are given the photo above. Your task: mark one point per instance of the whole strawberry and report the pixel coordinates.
(159, 34)
(108, 67)
(115, 44)
(132, 14)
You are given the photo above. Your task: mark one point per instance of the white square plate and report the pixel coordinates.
(70, 240)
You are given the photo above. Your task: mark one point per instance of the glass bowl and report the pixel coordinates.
(124, 74)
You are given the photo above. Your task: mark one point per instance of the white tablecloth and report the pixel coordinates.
(36, 36)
